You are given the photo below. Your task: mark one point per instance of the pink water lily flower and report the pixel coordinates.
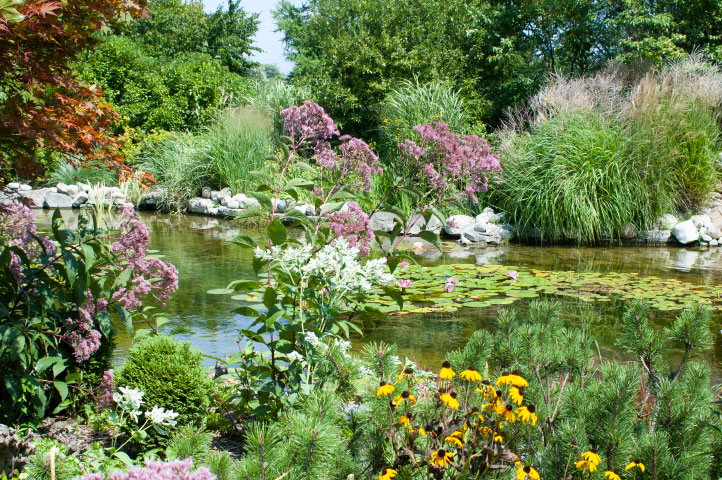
(512, 274)
(404, 283)
(404, 264)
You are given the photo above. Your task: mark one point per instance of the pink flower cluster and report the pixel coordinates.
(154, 470)
(17, 224)
(446, 158)
(133, 245)
(104, 392)
(358, 158)
(354, 225)
(309, 123)
(83, 337)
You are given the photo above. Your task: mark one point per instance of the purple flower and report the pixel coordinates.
(512, 274)
(445, 158)
(155, 470)
(18, 229)
(104, 392)
(308, 123)
(358, 159)
(354, 225)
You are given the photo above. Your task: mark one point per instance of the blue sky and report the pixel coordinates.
(267, 38)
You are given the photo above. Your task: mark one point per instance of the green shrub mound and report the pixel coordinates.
(172, 376)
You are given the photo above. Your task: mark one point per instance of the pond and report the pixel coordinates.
(205, 259)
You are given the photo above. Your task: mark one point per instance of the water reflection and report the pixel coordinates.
(199, 248)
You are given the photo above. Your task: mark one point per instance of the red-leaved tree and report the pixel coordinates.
(42, 104)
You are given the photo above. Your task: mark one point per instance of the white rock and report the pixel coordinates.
(498, 218)
(713, 243)
(206, 192)
(36, 197)
(706, 238)
(685, 232)
(656, 236)
(629, 232)
(383, 221)
(700, 220)
(13, 186)
(201, 206)
(233, 204)
(485, 216)
(305, 209)
(434, 224)
(24, 188)
(72, 190)
(83, 186)
(80, 199)
(217, 195)
(58, 200)
(62, 188)
(224, 201)
(457, 224)
(250, 202)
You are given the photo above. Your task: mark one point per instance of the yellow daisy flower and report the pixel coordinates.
(441, 458)
(471, 375)
(384, 389)
(585, 465)
(610, 475)
(405, 395)
(527, 415)
(387, 474)
(592, 457)
(523, 472)
(517, 380)
(407, 374)
(456, 441)
(404, 420)
(517, 395)
(450, 400)
(635, 464)
(446, 372)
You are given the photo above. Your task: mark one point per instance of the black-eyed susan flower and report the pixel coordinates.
(487, 389)
(454, 440)
(498, 438)
(592, 457)
(384, 389)
(419, 431)
(441, 458)
(471, 375)
(387, 474)
(516, 395)
(505, 410)
(503, 379)
(527, 415)
(585, 465)
(446, 372)
(404, 421)
(517, 380)
(405, 395)
(523, 472)
(611, 475)
(450, 400)
(635, 464)
(407, 374)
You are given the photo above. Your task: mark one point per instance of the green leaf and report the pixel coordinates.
(247, 312)
(277, 232)
(394, 295)
(219, 291)
(244, 241)
(123, 457)
(46, 362)
(62, 389)
(430, 237)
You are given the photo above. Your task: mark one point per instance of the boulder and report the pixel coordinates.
(714, 243)
(83, 187)
(206, 192)
(685, 232)
(36, 197)
(111, 192)
(498, 218)
(629, 232)
(72, 190)
(485, 216)
(62, 188)
(666, 222)
(706, 238)
(201, 206)
(656, 236)
(58, 200)
(383, 221)
(80, 199)
(434, 224)
(700, 221)
(250, 202)
(493, 236)
(24, 188)
(281, 206)
(217, 195)
(224, 211)
(457, 224)
(150, 201)
(305, 209)
(13, 186)
(232, 204)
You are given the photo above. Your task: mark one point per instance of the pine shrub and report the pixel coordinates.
(172, 376)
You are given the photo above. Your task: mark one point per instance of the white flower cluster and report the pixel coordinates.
(336, 262)
(161, 416)
(130, 400)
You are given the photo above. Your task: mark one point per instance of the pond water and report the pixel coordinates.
(199, 248)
